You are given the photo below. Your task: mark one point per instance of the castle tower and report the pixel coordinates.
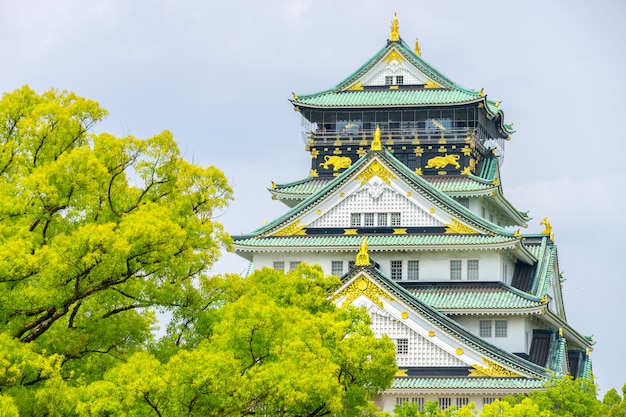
(404, 202)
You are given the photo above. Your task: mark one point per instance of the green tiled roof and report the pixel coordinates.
(450, 92)
(439, 319)
(462, 296)
(303, 187)
(378, 98)
(353, 241)
(462, 183)
(466, 383)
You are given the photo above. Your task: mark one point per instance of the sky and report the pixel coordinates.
(219, 75)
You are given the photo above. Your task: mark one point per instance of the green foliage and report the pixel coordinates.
(97, 233)
(276, 346)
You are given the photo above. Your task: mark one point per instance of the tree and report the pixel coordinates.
(95, 231)
(279, 348)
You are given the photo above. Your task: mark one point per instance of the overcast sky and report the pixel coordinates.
(219, 74)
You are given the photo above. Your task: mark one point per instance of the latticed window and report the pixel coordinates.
(413, 270)
(395, 219)
(461, 402)
(472, 269)
(445, 402)
(418, 400)
(485, 328)
(396, 270)
(400, 79)
(456, 269)
(489, 400)
(279, 265)
(402, 346)
(337, 268)
(293, 264)
(382, 219)
(355, 219)
(501, 328)
(388, 79)
(368, 220)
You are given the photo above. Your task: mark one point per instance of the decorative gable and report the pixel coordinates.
(394, 69)
(421, 342)
(376, 197)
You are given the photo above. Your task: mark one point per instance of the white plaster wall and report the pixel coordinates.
(387, 402)
(516, 331)
(434, 266)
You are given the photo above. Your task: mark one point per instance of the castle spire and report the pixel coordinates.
(362, 258)
(394, 37)
(418, 50)
(376, 144)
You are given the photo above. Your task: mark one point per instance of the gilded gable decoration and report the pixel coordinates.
(375, 169)
(394, 56)
(363, 286)
(459, 228)
(492, 370)
(294, 229)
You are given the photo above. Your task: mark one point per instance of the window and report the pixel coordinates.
(400, 79)
(489, 400)
(337, 268)
(293, 264)
(418, 400)
(279, 265)
(505, 272)
(456, 268)
(485, 328)
(355, 219)
(382, 219)
(445, 402)
(388, 79)
(413, 270)
(402, 346)
(368, 220)
(472, 269)
(461, 402)
(396, 270)
(395, 219)
(501, 328)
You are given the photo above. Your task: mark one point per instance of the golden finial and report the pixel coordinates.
(517, 233)
(418, 50)
(295, 96)
(273, 185)
(497, 103)
(376, 144)
(481, 92)
(362, 258)
(394, 29)
(548, 230)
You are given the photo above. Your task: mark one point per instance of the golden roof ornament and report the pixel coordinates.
(394, 36)
(376, 144)
(418, 50)
(548, 226)
(363, 258)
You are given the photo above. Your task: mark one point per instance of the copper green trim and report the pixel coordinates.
(466, 383)
(373, 241)
(474, 296)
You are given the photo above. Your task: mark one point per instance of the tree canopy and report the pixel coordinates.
(97, 233)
